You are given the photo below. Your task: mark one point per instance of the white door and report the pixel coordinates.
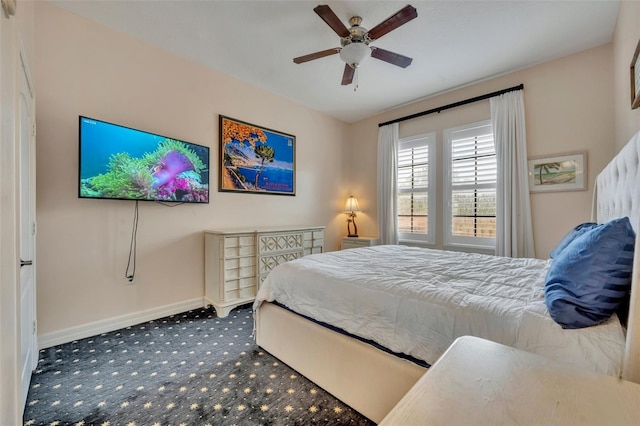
(26, 134)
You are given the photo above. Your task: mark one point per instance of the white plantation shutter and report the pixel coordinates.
(415, 182)
(470, 185)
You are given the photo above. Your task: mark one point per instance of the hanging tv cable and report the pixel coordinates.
(132, 246)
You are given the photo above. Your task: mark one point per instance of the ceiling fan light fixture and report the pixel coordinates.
(354, 41)
(354, 53)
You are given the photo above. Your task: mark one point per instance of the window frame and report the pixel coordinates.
(429, 140)
(448, 188)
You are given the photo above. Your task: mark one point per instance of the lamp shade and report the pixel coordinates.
(352, 205)
(354, 53)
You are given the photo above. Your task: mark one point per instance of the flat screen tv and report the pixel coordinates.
(121, 163)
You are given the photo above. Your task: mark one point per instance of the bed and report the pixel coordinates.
(317, 313)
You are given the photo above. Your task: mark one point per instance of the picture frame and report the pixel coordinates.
(255, 159)
(635, 78)
(561, 172)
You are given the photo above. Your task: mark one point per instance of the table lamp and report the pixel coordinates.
(351, 208)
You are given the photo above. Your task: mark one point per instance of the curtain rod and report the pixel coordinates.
(453, 105)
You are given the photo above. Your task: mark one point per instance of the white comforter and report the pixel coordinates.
(418, 301)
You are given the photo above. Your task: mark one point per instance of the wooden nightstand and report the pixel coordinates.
(355, 242)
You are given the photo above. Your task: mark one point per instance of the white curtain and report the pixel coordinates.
(387, 184)
(514, 233)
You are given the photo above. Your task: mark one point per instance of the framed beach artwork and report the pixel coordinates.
(564, 172)
(255, 159)
(635, 78)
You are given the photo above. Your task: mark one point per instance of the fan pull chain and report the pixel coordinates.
(355, 79)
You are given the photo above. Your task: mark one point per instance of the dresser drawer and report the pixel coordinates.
(240, 288)
(355, 242)
(233, 268)
(272, 243)
(313, 250)
(267, 262)
(243, 245)
(313, 239)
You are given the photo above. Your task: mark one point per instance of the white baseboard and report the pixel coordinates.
(98, 327)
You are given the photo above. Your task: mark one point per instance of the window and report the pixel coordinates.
(470, 186)
(416, 196)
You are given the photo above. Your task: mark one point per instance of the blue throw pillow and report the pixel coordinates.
(571, 235)
(591, 276)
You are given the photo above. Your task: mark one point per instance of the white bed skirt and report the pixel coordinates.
(364, 377)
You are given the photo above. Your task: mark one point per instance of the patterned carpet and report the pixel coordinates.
(188, 369)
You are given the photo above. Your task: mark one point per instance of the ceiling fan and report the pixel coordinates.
(355, 40)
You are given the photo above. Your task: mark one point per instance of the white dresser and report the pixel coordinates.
(238, 260)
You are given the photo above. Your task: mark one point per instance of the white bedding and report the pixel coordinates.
(418, 301)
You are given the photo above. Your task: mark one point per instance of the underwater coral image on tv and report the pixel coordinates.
(117, 162)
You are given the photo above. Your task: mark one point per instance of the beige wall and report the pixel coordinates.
(83, 245)
(568, 108)
(82, 68)
(625, 40)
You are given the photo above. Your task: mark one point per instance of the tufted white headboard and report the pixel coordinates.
(618, 194)
(618, 186)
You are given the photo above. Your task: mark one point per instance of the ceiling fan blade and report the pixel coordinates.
(332, 20)
(316, 55)
(401, 17)
(347, 77)
(391, 57)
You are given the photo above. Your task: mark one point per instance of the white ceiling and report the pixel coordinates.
(452, 43)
